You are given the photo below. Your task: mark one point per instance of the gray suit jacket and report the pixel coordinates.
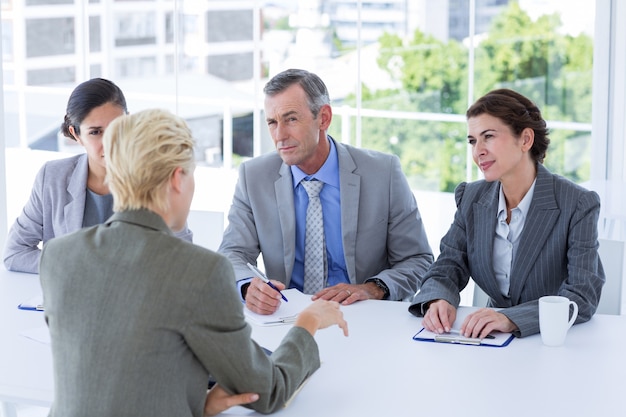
(557, 254)
(138, 318)
(56, 207)
(383, 234)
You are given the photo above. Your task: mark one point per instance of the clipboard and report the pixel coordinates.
(32, 304)
(496, 339)
(499, 339)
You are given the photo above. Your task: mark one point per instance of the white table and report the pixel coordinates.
(25, 365)
(380, 371)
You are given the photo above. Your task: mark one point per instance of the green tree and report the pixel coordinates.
(553, 69)
(532, 57)
(432, 72)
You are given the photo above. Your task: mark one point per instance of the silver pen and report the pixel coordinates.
(261, 275)
(455, 331)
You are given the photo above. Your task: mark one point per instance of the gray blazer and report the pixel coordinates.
(383, 234)
(557, 254)
(56, 207)
(138, 318)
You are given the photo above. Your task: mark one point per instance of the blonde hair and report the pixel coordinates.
(142, 151)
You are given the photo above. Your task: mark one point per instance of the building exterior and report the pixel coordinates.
(57, 43)
(443, 19)
(48, 42)
(485, 11)
(51, 45)
(376, 17)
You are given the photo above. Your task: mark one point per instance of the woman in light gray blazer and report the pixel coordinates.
(70, 193)
(521, 233)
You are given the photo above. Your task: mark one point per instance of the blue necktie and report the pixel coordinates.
(314, 244)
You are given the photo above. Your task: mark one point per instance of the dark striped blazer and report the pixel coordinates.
(557, 254)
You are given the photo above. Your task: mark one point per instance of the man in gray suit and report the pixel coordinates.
(375, 243)
(521, 233)
(138, 317)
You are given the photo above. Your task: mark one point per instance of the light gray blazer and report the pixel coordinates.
(383, 234)
(557, 254)
(56, 207)
(138, 318)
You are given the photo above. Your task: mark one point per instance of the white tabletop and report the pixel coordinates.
(25, 365)
(379, 370)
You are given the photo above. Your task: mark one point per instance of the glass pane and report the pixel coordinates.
(134, 28)
(50, 76)
(433, 157)
(49, 37)
(95, 41)
(408, 82)
(544, 50)
(7, 40)
(229, 25)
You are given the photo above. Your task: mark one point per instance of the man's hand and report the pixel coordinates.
(261, 298)
(347, 293)
(218, 400)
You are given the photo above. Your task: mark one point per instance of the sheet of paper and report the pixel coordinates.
(38, 334)
(286, 313)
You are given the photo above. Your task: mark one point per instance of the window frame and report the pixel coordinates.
(608, 115)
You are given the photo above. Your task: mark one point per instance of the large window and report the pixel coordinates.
(400, 73)
(431, 81)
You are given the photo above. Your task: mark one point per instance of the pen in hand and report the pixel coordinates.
(261, 275)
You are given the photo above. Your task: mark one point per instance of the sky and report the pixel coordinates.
(576, 15)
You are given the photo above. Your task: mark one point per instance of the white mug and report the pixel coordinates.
(554, 319)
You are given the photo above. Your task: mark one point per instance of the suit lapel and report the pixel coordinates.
(349, 189)
(74, 210)
(485, 212)
(542, 217)
(283, 187)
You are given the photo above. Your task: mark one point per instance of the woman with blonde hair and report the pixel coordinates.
(138, 318)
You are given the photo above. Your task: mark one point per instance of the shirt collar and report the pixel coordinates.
(328, 173)
(523, 206)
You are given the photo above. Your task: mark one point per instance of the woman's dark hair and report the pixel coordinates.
(517, 112)
(86, 97)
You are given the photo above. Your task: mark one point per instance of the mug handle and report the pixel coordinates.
(574, 314)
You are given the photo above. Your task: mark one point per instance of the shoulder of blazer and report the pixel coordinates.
(479, 191)
(262, 166)
(66, 174)
(552, 190)
(351, 158)
(65, 167)
(559, 182)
